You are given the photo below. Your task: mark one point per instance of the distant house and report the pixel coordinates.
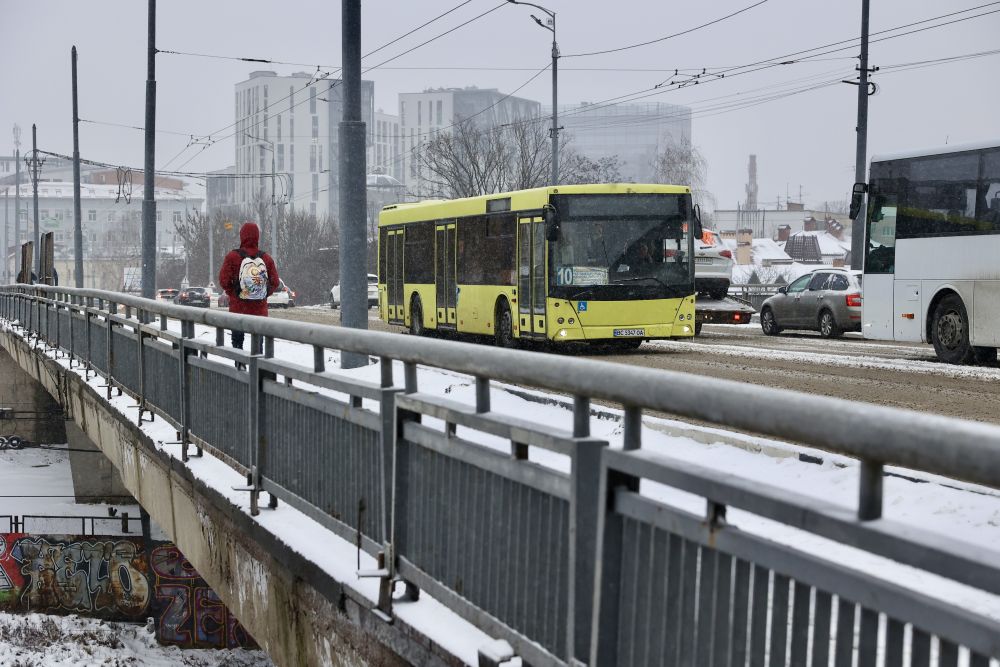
(817, 247)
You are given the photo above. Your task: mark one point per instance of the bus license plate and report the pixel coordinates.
(618, 333)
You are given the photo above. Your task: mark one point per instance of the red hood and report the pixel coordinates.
(249, 236)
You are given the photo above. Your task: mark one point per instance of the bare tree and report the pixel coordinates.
(471, 160)
(681, 163)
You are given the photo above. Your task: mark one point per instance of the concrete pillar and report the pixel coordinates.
(38, 418)
(95, 478)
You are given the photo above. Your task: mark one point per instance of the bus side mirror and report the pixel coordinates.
(552, 227)
(696, 216)
(857, 198)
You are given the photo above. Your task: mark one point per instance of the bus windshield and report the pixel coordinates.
(621, 247)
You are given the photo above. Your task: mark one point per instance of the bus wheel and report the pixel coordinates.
(504, 336)
(416, 317)
(950, 331)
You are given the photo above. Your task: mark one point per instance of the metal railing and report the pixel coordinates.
(52, 524)
(569, 566)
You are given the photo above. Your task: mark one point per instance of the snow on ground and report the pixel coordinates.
(930, 366)
(41, 640)
(960, 511)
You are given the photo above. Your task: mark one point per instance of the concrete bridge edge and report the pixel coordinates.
(297, 612)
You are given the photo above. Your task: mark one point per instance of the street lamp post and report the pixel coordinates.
(274, 216)
(554, 132)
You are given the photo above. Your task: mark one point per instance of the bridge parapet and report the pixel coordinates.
(570, 563)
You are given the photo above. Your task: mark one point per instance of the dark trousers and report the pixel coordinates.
(237, 338)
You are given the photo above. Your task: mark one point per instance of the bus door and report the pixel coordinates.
(394, 274)
(531, 276)
(444, 279)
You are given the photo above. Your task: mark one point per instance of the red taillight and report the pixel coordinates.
(726, 253)
(854, 300)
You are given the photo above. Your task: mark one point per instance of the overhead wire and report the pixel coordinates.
(662, 39)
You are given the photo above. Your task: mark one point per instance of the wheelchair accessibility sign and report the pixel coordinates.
(581, 307)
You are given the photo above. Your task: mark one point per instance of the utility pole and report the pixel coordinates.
(34, 193)
(274, 212)
(17, 201)
(550, 25)
(149, 173)
(77, 212)
(352, 162)
(861, 157)
(6, 222)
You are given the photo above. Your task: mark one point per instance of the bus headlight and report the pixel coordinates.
(562, 333)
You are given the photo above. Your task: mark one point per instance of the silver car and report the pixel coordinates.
(825, 300)
(713, 265)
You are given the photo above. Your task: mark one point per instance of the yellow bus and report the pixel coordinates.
(607, 264)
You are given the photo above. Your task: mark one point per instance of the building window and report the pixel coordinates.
(312, 157)
(312, 99)
(315, 134)
(319, 161)
(291, 158)
(265, 126)
(159, 216)
(291, 185)
(43, 214)
(111, 216)
(279, 127)
(91, 215)
(281, 156)
(177, 217)
(312, 209)
(261, 153)
(440, 106)
(402, 113)
(420, 113)
(315, 184)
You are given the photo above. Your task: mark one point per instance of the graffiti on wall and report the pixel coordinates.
(188, 611)
(101, 577)
(110, 578)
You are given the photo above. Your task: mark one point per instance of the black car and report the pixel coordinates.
(194, 296)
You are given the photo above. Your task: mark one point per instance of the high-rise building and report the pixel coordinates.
(384, 149)
(297, 119)
(634, 133)
(423, 115)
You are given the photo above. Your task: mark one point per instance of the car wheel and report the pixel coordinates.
(950, 332)
(416, 317)
(828, 327)
(768, 324)
(504, 334)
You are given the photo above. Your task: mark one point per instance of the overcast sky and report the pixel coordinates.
(806, 139)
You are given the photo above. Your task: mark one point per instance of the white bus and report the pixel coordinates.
(932, 250)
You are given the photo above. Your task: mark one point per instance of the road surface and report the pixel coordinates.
(883, 373)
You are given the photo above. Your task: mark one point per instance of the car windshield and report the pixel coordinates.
(196, 290)
(620, 247)
(373, 280)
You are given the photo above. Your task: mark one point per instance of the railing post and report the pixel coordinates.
(584, 512)
(184, 377)
(71, 303)
(387, 415)
(632, 428)
(112, 310)
(141, 359)
(870, 491)
(256, 404)
(482, 395)
(88, 304)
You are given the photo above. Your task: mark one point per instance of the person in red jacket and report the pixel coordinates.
(248, 276)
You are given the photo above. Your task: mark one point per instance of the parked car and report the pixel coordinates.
(372, 292)
(282, 297)
(824, 300)
(167, 294)
(713, 265)
(194, 296)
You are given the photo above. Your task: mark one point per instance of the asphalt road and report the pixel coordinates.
(883, 373)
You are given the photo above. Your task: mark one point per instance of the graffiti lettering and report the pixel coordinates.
(82, 575)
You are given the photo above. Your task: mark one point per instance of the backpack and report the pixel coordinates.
(251, 279)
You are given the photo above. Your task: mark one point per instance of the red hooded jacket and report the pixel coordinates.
(229, 274)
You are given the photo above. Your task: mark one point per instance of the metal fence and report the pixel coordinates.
(574, 566)
(50, 524)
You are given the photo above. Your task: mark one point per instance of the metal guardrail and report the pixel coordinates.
(52, 524)
(753, 295)
(569, 567)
